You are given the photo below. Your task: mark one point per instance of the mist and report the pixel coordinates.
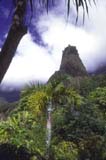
(36, 62)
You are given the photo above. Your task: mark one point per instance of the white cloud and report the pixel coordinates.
(59, 34)
(32, 63)
(37, 63)
(89, 38)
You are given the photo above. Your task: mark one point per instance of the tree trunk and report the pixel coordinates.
(15, 34)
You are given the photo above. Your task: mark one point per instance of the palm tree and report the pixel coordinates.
(18, 29)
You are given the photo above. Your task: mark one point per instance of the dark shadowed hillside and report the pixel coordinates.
(10, 96)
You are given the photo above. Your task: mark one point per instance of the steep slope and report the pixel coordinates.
(71, 62)
(71, 69)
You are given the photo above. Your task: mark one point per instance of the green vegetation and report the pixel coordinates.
(78, 120)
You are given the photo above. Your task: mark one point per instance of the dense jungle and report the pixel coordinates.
(78, 120)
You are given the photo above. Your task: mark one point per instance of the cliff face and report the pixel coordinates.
(71, 70)
(71, 62)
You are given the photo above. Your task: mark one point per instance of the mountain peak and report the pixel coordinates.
(71, 62)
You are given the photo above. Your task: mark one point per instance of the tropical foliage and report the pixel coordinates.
(78, 121)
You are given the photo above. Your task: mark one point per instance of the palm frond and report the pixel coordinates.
(77, 7)
(80, 3)
(68, 7)
(86, 5)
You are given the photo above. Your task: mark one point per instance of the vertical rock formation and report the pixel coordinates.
(71, 62)
(71, 68)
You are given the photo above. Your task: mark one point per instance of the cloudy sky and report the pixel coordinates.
(39, 53)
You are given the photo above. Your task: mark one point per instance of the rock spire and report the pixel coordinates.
(71, 62)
